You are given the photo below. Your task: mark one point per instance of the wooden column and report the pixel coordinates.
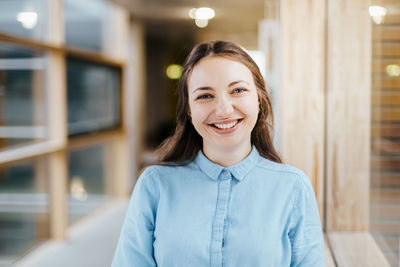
(135, 98)
(302, 92)
(57, 121)
(121, 183)
(41, 187)
(325, 116)
(348, 115)
(58, 168)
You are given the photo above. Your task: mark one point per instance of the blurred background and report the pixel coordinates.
(87, 93)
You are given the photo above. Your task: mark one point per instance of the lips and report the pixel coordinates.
(227, 126)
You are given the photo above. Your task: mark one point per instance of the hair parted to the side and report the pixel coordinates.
(184, 144)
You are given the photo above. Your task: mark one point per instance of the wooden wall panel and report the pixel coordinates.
(302, 89)
(387, 50)
(348, 115)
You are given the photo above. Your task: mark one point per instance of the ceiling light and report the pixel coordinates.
(204, 13)
(377, 13)
(27, 19)
(192, 13)
(201, 23)
(201, 15)
(393, 70)
(174, 71)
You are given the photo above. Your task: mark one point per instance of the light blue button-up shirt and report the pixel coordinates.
(254, 213)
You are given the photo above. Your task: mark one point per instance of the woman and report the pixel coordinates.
(220, 195)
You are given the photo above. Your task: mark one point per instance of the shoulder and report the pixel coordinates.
(158, 171)
(169, 168)
(284, 171)
(155, 177)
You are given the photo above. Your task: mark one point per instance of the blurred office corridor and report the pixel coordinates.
(87, 93)
(90, 243)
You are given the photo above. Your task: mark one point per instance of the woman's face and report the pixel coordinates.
(223, 103)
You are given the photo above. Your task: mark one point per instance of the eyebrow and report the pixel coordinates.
(236, 82)
(210, 88)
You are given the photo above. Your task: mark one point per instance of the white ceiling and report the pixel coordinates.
(232, 17)
(177, 9)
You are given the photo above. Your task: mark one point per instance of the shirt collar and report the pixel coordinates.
(239, 170)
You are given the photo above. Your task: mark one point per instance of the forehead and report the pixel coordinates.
(218, 71)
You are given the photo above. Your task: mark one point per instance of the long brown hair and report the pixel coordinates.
(185, 143)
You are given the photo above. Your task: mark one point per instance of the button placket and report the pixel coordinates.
(224, 184)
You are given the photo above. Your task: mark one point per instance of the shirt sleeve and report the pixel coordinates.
(135, 245)
(306, 231)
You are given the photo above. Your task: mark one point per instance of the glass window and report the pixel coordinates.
(87, 23)
(87, 180)
(93, 96)
(24, 208)
(385, 134)
(23, 18)
(22, 96)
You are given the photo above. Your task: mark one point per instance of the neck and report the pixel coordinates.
(227, 156)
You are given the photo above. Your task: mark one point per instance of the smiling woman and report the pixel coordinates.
(220, 195)
(184, 145)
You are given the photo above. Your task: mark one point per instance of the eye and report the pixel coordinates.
(239, 90)
(205, 96)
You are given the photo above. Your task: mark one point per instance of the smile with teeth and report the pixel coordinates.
(225, 125)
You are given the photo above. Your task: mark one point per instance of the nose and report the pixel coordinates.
(224, 107)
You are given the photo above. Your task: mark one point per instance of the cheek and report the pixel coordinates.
(197, 118)
(251, 107)
(197, 115)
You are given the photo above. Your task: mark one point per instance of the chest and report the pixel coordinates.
(234, 220)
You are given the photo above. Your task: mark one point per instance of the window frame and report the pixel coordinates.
(58, 145)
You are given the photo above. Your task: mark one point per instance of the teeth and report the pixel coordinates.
(226, 126)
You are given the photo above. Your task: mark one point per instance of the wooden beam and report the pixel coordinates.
(386, 83)
(388, 130)
(385, 147)
(57, 120)
(390, 99)
(348, 115)
(135, 98)
(302, 92)
(386, 34)
(58, 191)
(391, 195)
(383, 114)
(379, 65)
(387, 50)
(391, 179)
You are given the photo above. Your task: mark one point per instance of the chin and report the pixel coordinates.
(228, 144)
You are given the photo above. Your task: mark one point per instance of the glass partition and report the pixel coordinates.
(39, 77)
(24, 208)
(87, 22)
(87, 180)
(93, 96)
(385, 134)
(22, 96)
(23, 18)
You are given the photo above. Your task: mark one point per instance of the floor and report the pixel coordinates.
(91, 242)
